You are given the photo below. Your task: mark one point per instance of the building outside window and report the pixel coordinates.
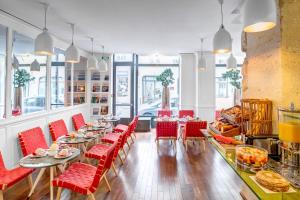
(3, 31)
(27, 96)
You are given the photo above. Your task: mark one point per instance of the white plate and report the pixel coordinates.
(60, 157)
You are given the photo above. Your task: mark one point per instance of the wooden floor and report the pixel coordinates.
(164, 174)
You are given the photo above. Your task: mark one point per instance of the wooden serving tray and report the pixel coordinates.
(230, 133)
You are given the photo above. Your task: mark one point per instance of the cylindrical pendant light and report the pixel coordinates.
(102, 63)
(231, 62)
(35, 66)
(201, 60)
(92, 61)
(260, 15)
(72, 53)
(222, 39)
(43, 43)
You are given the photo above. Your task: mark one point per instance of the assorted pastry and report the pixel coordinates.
(223, 125)
(253, 157)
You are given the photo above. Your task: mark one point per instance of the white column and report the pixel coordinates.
(8, 76)
(72, 84)
(48, 83)
(205, 89)
(187, 81)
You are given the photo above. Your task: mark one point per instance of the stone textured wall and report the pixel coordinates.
(272, 66)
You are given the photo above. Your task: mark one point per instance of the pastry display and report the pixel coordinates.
(272, 181)
(250, 158)
(223, 127)
(227, 140)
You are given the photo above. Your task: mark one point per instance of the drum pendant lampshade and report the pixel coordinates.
(222, 40)
(231, 62)
(260, 15)
(72, 53)
(35, 66)
(92, 61)
(43, 44)
(103, 67)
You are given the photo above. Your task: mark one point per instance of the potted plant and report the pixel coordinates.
(166, 78)
(234, 77)
(21, 78)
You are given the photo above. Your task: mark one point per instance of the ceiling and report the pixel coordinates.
(134, 26)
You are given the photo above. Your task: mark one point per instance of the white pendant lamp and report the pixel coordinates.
(92, 61)
(260, 15)
(222, 39)
(231, 62)
(15, 63)
(72, 53)
(102, 63)
(43, 44)
(35, 66)
(201, 60)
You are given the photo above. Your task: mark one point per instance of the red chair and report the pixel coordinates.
(166, 130)
(186, 113)
(32, 139)
(57, 129)
(97, 151)
(9, 178)
(192, 131)
(113, 137)
(82, 178)
(162, 113)
(78, 121)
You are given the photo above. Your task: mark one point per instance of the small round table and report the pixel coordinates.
(46, 162)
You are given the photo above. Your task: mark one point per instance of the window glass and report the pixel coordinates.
(28, 77)
(3, 31)
(158, 59)
(150, 90)
(58, 79)
(123, 57)
(79, 82)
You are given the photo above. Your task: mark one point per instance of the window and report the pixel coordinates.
(3, 31)
(58, 79)
(150, 90)
(29, 85)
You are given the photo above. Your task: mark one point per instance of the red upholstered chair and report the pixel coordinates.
(9, 178)
(192, 131)
(57, 129)
(162, 113)
(78, 121)
(113, 137)
(82, 178)
(166, 130)
(97, 151)
(32, 139)
(185, 113)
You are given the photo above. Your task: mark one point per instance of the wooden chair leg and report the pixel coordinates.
(131, 138)
(186, 144)
(134, 134)
(1, 195)
(128, 144)
(120, 158)
(174, 144)
(114, 169)
(30, 182)
(58, 193)
(123, 150)
(203, 143)
(106, 181)
(91, 196)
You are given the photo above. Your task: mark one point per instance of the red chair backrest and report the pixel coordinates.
(78, 121)
(2, 164)
(162, 113)
(166, 129)
(192, 128)
(118, 146)
(135, 120)
(57, 129)
(110, 155)
(185, 113)
(100, 171)
(124, 137)
(32, 139)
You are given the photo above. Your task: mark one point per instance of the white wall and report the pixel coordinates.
(187, 81)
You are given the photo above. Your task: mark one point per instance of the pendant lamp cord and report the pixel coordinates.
(45, 14)
(221, 3)
(202, 47)
(72, 27)
(102, 52)
(92, 39)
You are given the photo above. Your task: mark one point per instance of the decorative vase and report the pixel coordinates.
(18, 98)
(237, 96)
(165, 103)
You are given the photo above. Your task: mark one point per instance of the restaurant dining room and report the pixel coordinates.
(150, 100)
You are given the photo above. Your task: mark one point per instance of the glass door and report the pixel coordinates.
(123, 85)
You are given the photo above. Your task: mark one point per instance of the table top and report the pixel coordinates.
(229, 157)
(175, 119)
(47, 161)
(74, 140)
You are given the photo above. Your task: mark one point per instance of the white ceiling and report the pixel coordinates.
(138, 26)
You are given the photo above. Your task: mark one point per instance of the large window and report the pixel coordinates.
(3, 31)
(29, 72)
(150, 90)
(58, 79)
